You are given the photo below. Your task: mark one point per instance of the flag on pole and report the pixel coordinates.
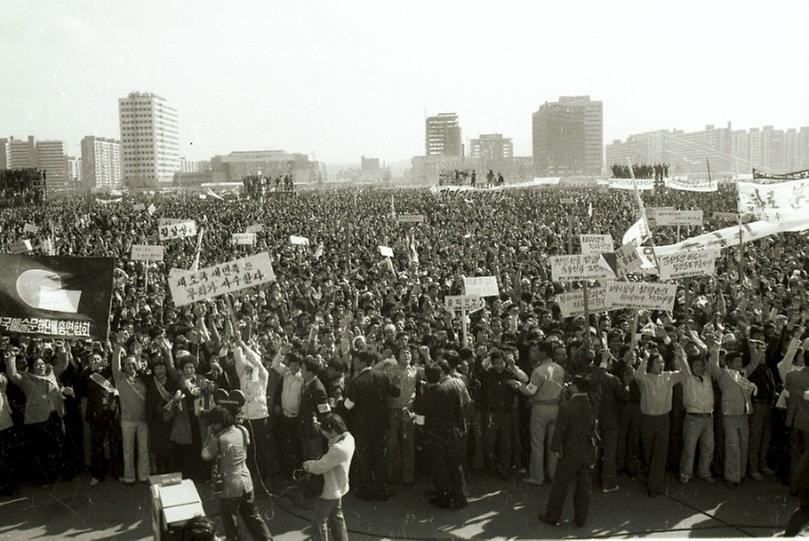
(195, 265)
(412, 255)
(392, 207)
(638, 232)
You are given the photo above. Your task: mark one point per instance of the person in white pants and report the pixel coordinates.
(132, 393)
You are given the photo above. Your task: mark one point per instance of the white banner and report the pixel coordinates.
(224, 278)
(30, 228)
(243, 239)
(410, 218)
(459, 303)
(755, 196)
(572, 303)
(386, 251)
(644, 184)
(481, 286)
(691, 185)
(637, 232)
(641, 295)
(729, 236)
(729, 216)
(627, 259)
(255, 228)
(138, 207)
(687, 264)
(298, 241)
(596, 244)
(678, 217)
(176, 229)
(571, 268)
(780, 215)
(546, 181)
(146, 252)
(151, 209)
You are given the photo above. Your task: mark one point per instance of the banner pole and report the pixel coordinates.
(464, 329)
(741, 229)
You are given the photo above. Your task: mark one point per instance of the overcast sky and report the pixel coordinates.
(345, 78)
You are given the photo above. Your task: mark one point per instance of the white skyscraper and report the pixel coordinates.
(149, 140)
(100, 162)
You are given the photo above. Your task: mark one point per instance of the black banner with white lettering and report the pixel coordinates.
(66, 297)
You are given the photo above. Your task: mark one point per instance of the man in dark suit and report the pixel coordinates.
(366, 396)
(573, 443)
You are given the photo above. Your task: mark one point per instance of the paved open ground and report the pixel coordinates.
(497, 510)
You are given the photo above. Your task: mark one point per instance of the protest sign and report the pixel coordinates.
(641, 295)
(573, 268)
(255, 228)
(298, 241)
(730, 216)
(687, 263)
(176, 273)
(243, 239)
(145, 252)
(210, 282)
(686, 184)
(386, 251)
(567, 201)
(572, 303)
(30, 228)
(410, 218)
(138, 207)
(756, 196)
(627, 259)
(780, 215)
(643, 184)
(678, 217)
(176, 229)
(731, 236)
(480, 286)
(546, 181)
(460, 303)
(595, 244)
(151, 209)
(58, 296)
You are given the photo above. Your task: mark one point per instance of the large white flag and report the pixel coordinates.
(757, 196)
(730, 236)
(639, 232)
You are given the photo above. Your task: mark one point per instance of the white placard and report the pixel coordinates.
(643, 184)
(30, 228)
(298, 241)
(481, 286)
(641, 295)
(386, 251)
(243, 239)
(146, 252)
(678, 217)
(756, 196)
(210, 282)
(570, 268)
(691, 185)
(138, 207)
(459, 303)
(730, 216)
(151, 209)
(627, 259)
(176, 229)
(567, 201)
(687, 263)
(255, 228)
(572, 303)
(410, 218)
(595, 244)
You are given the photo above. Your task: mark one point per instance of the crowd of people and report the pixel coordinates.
(348, 350)
(21, 187)
(462, 177)
(657, 171)
(258, 185)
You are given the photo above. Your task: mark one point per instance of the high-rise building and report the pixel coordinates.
(100, 162)
(568, 137)
(491, 146)
(803, 148)
(74, 169)
(3, 153)
(51, 160)
(149, 140)
(443, 135)
(21, 154)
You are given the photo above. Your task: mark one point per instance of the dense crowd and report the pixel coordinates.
(714, 390)
(259, 185)
(657, 171)
(462, 177)
(21, 187)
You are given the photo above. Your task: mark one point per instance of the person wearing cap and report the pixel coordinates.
(572, 442)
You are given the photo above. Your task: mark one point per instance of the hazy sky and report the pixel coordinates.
(346, 78)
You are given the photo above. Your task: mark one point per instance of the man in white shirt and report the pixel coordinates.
(698, 425)
(327, 516)
(253, 379)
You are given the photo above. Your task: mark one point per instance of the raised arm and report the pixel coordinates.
(11, 369)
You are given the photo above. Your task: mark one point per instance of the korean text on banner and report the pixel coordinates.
(459, 303)
(255, 228)
(641, 295)
(595, 244)
(30, 228)
(243, 239)
(627, 259)
(410, 218)
(386, 251)
(572, 303)
(756, 196)
(173, 229)
(224, 278)
(571, 268)
(480, 286)
(687, 263)
(691, 185)
(678, 217)
(298, 241)
(146, 252)
(730, 216)
(644, 184)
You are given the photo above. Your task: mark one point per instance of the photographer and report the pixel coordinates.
(227, 444)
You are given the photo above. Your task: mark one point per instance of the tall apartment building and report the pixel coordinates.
(100, 162)
(568, 137)
(491, 146)
(443, 135)
(21, 154)
(51, 160)
(74, 169)
(149, 140)
(3, 153)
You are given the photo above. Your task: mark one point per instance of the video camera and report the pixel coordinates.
(233, 401)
